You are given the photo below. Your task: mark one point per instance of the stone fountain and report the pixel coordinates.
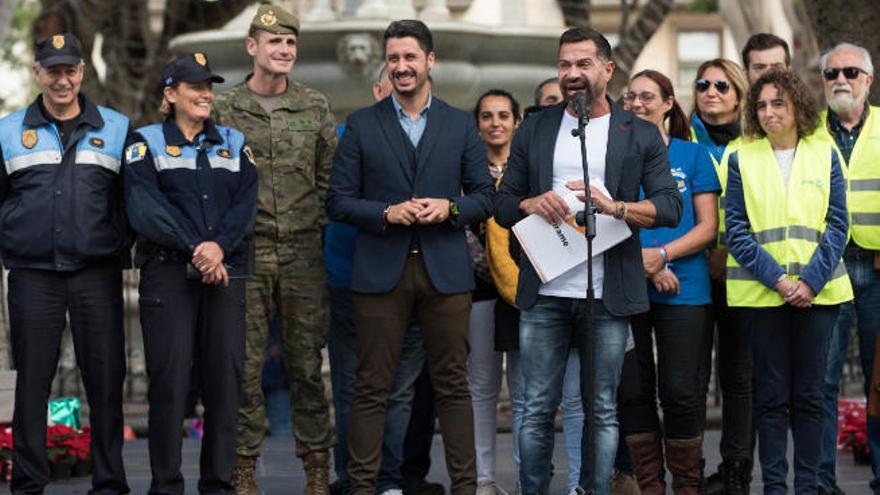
(480, 44)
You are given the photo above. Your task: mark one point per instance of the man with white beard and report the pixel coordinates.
(855, 127)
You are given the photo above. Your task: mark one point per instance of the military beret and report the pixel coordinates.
(61, 49)
(192, 68)
(275, 20)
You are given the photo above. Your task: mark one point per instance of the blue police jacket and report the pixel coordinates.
(61, 207)
(181, 193)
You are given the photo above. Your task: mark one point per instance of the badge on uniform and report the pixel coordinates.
(29, 138)
(268, 18)
(224, 153)
(96, 142)
(249, 154)
(172, 150)
(200, 58)
(135, 152)
(58, 41)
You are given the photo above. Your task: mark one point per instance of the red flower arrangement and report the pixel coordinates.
(67, 449)
(852, 429)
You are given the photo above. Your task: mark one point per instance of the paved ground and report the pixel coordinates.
(280, 472)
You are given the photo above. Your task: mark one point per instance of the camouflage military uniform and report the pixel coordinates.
(293, 149)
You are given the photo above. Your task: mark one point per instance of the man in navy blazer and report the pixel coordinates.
(410, 172)
(626, 154)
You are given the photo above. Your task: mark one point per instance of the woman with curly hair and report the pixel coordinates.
(786, 231)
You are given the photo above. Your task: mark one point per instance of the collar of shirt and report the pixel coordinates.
(174, 136)
(843, 137)
(413, 128)
(36, 116)
(837, 127)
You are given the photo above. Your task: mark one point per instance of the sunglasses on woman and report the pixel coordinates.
(703, 85)
(831, 73)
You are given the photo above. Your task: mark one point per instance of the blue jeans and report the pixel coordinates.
(545, 338)
(866, 311)
(342, 348)
(572, 417)
(789, 348)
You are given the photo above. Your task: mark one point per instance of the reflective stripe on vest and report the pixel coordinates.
(863, 182)
(787, 221)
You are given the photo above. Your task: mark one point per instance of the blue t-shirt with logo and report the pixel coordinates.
(694, 173)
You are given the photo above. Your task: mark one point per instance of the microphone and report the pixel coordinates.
(582, 102)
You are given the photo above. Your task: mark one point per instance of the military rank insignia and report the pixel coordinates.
(172, 150)
(96, 142)
(268, 19)
(136, 152)
(200, 58)
(29, 138)
(249, 154)
(224, 153)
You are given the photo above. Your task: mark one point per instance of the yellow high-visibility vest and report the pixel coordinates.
(863, 182)
(788, 222)
(721, 172)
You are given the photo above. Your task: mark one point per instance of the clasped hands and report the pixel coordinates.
(424, 211)
(208, 259)
(554, 209)
(798, 294)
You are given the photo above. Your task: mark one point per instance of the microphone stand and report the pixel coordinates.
(587, 218)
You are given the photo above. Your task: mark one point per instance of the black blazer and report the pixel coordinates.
(373, 168)
(636, 157)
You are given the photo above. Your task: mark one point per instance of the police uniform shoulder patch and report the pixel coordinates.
(224, 153)
(29, 138)
(136, 152)
(249, 154)
(96, 142)
(200, 58)
(172, 150)
(58, 41)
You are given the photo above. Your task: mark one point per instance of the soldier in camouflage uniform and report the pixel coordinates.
(293, 137)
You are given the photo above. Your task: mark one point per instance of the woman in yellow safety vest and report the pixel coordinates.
(786, 231)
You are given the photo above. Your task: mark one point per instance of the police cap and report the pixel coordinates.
(60, 49)
(275, 20)
(192, 68)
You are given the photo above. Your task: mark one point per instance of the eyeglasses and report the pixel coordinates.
(645, 96)
(831, 73)
(703, 85)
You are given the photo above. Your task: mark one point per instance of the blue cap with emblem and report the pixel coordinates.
(192, 68)
(60, 49)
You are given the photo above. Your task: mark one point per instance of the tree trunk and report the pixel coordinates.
(838, 21)
(634, 39)
(134, 56)
(7, 9)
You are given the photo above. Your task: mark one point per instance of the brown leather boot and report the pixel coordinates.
(317, 467)
(646, 453)
(244, 476)
(683, 460)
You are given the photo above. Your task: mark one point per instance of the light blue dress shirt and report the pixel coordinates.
(413, 128)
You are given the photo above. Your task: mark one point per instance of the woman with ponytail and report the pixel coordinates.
(679, 319)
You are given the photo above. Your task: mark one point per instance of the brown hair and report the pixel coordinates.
(806, 113)
(679, 126)
(734, 74)
(166, 108)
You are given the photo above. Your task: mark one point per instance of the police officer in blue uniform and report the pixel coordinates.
(64, 239)
(191, 191)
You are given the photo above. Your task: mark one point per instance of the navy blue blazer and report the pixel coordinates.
(373, 168)
(635, 158)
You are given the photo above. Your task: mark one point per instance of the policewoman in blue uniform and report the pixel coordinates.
(191, 191)
(63, 237)
(787, 228)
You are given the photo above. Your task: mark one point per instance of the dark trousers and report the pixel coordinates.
(382, 320)
(420, 431)
(679, 332)
(790, 348)
(735, 374)
(182, 318)
(39, 301)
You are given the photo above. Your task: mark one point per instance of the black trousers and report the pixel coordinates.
(679, 332)
(39, 301)
(182, 318)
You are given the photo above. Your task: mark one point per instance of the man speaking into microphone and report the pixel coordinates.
(625, 154)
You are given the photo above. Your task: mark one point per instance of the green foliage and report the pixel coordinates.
(703, 6)
(17, 49)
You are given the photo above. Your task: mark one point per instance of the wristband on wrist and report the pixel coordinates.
(620, 210)
(385, 216)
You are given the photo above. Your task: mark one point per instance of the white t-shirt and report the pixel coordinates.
(567, 167)
(785, 160)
